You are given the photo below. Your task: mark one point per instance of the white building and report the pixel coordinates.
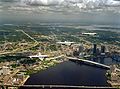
(92, 34)
(1, 71)
(4, 70)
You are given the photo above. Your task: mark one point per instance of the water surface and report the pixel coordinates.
(70, 73)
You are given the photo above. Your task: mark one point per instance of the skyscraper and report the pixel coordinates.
(94, 48)
(81, 48)
(102, 49)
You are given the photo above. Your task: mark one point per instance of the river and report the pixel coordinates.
(70, 73)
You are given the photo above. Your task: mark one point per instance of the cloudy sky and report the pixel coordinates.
(61, 5)
(60, 10)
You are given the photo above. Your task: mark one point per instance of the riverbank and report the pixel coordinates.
(113, 76)
(114, 84)
(25, 79)
(42, 65)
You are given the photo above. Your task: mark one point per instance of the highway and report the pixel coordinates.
(27, 35)
(88, 61)
(56, 57)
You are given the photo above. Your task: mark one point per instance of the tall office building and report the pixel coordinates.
(94, 48)
(107, 49)
(81, 48)
(102, 49)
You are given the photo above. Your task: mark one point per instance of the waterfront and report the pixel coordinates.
(70, 73)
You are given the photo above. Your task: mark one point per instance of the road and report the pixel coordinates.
(27, 35)
(56, 57)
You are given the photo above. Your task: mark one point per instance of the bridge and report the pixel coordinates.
(56, 57)
(89, 62)
(49, 87)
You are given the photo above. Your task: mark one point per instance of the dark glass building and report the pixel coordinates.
(102, 49)
(94, 48)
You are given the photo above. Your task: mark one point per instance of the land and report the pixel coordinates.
(18, 42)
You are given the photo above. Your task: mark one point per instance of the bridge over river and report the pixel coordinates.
(88, 62)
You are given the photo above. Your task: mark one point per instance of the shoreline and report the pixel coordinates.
(23, 82)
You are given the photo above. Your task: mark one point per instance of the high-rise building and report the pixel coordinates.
(107, 49)
(81, 48)
(94, 48)
(102, 49)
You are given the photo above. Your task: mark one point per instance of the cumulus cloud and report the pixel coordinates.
(64, 5)
(42, 2)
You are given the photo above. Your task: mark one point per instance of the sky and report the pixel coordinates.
(102, 11)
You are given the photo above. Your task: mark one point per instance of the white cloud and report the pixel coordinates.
(64, 5)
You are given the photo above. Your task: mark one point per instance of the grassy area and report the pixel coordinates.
(44, 65)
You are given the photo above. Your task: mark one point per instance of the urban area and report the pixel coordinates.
(28, 49)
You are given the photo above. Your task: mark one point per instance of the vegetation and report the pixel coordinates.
(108, 74)
(27, 61)
(15, 65)
(10, 58)
(9, 33)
